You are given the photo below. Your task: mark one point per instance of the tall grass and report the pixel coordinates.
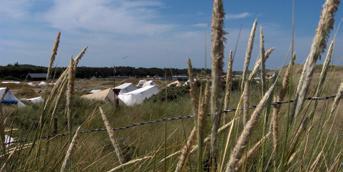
(217, 36)
(53, 55)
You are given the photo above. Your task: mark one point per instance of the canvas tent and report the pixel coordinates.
(103, 95)
(125, 88)
(149, 83)
(175, 84)
(42, 84)
(94, 91)
(34, 100)
(31, 84)
(141, 83)
(8, 98)
(10, 82)
(138, 96)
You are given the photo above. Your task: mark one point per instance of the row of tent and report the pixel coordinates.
(32, 84)
(127, 93)
(8, 98)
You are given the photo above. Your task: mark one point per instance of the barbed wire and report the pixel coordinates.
(168, 119)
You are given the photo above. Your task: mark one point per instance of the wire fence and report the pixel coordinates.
(169, 119)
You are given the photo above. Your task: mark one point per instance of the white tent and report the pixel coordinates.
(149, 83)
(31, 84)
(126, 87)
(175, 84)
(34, 100)
(141, 83)
(10, 82)
(138, 96)
(42, 84)
(7, 97)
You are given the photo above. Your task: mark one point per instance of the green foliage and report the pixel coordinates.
(170, 93)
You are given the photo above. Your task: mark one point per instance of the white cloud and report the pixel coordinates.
(237, 16)
(201, 25)
(109, 25)
(119, 16)
(13, 9)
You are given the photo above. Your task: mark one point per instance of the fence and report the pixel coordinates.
(169, 119)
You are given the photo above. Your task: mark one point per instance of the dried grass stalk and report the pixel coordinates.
(121, 166)
(2, 123)
(263, 66)
(336, 100)
(280, 97)
(3, 167)
(63, 77)
(79, 56)
(185, 151)
(193, 89)
(315, 163)
(195, 147)
(228, 80)
(325, 67)
(217, 70)
(248, 53)
(259, 62)
(245, 93)
(253, 150)
(70, 149)
(69, 93)
(324, 27)
(242, 141)
(336, 164)
(202, 111)
(303, 125)
(195, 100)
(56, 100)
(245, 101)
(246, 85)
(111, 136)
(53, 55)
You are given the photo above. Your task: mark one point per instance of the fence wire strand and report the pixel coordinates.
(166, 119)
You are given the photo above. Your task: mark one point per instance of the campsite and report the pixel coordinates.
(150, 85)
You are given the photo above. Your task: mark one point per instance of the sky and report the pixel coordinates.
(152, 33)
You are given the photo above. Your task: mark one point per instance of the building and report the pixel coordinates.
(36, 76)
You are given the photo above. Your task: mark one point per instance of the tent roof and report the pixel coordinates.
(123, 86)
(139, 95)
(37, 75)
(9, 98)
(141, 90)
(103, 95)
(100, 95)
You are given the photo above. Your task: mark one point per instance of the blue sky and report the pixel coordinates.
(149, 33)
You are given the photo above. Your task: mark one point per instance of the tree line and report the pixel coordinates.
(20, 71)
